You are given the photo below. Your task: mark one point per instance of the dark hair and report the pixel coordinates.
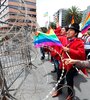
(44, 29)
(77, 33)
(89, 29)
(66, 28)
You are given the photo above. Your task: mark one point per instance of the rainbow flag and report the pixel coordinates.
(45, 14)
(46, 39)
(86, 24)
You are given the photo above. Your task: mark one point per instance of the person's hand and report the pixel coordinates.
(65, 49)
(57, 24)
(37, 33)
(69, 61)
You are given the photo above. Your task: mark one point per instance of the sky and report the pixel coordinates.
(52, 6)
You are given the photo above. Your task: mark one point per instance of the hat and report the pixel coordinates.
(75, 27)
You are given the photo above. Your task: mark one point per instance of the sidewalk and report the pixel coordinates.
(40, 82)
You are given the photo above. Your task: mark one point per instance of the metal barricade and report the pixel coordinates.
(16, 53)
(14, 59)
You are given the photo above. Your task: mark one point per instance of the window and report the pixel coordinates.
(31, 9)
(31, 3)
(13, 0)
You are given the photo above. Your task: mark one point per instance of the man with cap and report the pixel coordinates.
(75, 50)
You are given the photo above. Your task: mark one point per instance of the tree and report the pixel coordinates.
(52, 25)
(75, 13)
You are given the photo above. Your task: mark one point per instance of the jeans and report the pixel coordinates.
(56, 64)
(42, 52)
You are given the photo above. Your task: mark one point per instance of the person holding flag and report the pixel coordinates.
(75, 50)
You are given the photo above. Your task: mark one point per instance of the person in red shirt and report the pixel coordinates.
(61, 34)
(75, 50)
(54, 57)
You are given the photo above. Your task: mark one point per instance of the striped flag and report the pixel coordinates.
(45, 14)
(72, 21)
(46, 39)
(86, 24)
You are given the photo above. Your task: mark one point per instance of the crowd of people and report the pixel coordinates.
(74, 53)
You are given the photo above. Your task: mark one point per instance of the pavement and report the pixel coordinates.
(40, 82)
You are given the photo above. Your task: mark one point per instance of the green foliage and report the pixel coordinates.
(44, 29)
(73, 11)
(52, 25)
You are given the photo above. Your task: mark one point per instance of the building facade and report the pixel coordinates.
(60, 15)
(17, 13)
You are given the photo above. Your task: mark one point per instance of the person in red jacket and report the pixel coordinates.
(61, 34)
(57, 31)
(75, 50)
